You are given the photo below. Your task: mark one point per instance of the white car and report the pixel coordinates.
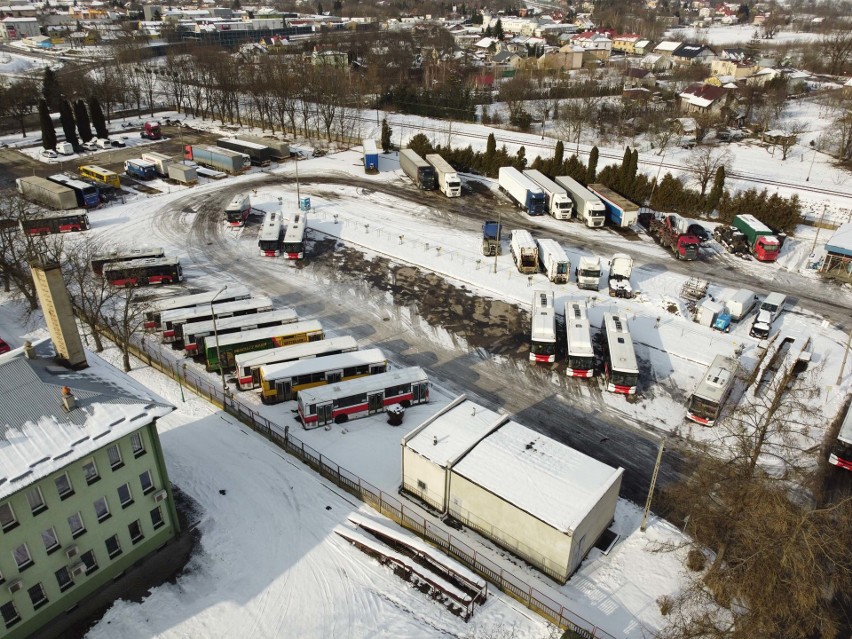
(91, 145)
(49, 153)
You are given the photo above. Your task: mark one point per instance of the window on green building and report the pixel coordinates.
(63, 578)
(51, 542)
(63, 486)
(125, 495)
(114, 455)
(135, 530)
(75, 523)
(157, 517)
(137, 444)
(101, 509)
(7, 517)
(36, 500)
(10, 614)
(22, 556)
(147, 482)
(89, 560)
(37, 596)
(90, 469)
(113, 546)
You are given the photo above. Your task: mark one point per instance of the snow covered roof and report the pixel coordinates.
(641, 44)
(547, 479)
(841, 241)
(667, 45)
(37, 435)
(485, 43)
(453, 431)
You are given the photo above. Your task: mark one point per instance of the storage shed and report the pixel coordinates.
(532, 495)
(837, 263)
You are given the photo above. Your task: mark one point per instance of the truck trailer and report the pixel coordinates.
(260, 154)
(183, 173)
(161, 162)
(140, 169)
(217, 158)
(280, 149)
(491, 232)
(448, 180)
(621, 211)
(587, 205)
(669, 231)
(524, 251)
(553, 261)
(419, 170)
(523, 191)
(43, 191)
(762, 242)
(558, 203)
(371, 156)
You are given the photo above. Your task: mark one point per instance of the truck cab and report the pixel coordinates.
(588, 273)
(151, 131)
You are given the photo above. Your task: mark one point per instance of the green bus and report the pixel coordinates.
(229, 346)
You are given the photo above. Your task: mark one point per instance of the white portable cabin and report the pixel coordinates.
(524, 251)
(553, 260)
(543, 500)
(740, 303)
(712, 391)
(578, 333)
(708, 312)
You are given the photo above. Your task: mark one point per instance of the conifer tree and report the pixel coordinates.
(386, 136)
(592, 170)
(50, 89)
(81, 115)
(66, 118)
(716, 192)
(558, 154)
(98, 120)
(48, 134)
(520, 162)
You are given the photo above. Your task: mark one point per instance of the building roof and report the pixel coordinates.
(702, 94)
(38, 437)
(543, 477)
(687, 50)
(841, 241)
(641, 44)
(667, 45)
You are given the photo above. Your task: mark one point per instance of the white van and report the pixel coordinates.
(64, 148)
(768, 312)
(104, 144)
(774, 304)
(741, 303)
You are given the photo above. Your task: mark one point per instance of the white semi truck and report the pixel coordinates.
(620, 270)
(448, 180)
(524, 251)
(588, 273)
(553, 261)
(526, 193)
(559, 205)
(588, 206)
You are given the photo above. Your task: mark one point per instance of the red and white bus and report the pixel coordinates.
(294, 238)
(195, 334)
(61, 222)
(248, 364)
(269, 239)
(361, 397)
(706, 402)
(231, 293)
(543, 337)
(841, 451)
(578, 331)
(123, 255)
(151, 270)
(172, 322)
(238, 209)
(620, 368)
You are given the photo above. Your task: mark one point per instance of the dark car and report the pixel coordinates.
(4, 347)
(699, 231)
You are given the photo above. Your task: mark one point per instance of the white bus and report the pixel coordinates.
(248, 364)
(553, 261)
(269, 238)
(620, 368)
(294, 238)
(238, 209)
(153, 316)
(712, 391)
(841, 450)
(281, 382)
(543, 338)
(578, 331)
(343, 401)
(172, 321)
(194, 333)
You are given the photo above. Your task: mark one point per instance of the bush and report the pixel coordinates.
(696, 560)
(666, 604)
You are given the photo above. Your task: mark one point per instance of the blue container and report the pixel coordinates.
(305, 204)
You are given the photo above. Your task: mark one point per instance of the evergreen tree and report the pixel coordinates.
(48, 135)
(66, 118)
(498, 30)
(82, 118)
(623, 172)
(319, 9)
(97, 116)
(574, 168)
(592, 170)
(632, 168)
(386, 135)
(716, 192)
(558, 154)
(520, 162)
(490, 147)
(488, 33)
(50, 89)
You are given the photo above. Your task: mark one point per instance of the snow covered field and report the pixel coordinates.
(724, 35)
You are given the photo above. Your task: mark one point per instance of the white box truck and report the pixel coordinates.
(524, 251)
(741, 303)
(448, 180)
(160, 160)
(588, 206)
(559, 205)
(553, 261)
(588, 273)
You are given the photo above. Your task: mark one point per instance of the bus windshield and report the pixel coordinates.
(620, 378)
(581, 362)
(543, 348)
(703, 408)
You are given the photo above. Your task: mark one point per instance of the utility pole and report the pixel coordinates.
(499, 235)
(843, 363)
(218, 354)
(653, 484)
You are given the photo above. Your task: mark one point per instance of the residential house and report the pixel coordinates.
(777, 136)
(625, 42)
(637, 94)
(701, 97)
(639, 77)
(13, 28)
(734, 55)
(734, 69)
(688, 53)
(566, 58)
(507, 58)
(643, 47)
(596, 45)
(656, 62)
(685, 126)
(667, 47)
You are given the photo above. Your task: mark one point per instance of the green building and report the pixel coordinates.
(84, 492)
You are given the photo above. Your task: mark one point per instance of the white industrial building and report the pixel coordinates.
(544, 501)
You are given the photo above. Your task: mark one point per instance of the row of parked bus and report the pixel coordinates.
(285, 358)
(137, 267)
(273, 240)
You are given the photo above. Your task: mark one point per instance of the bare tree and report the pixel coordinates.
(124, 316)
(704, 162)
(660, 129)
(19, 99)
(786, 142)
(576, 115)
(837, 49)
(90, 295)
(515, 92)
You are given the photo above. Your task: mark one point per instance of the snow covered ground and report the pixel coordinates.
(725, 35)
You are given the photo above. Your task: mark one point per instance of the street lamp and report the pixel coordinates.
(216, 335)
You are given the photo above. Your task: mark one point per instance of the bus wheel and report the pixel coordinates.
(341, 419)
(405, 403)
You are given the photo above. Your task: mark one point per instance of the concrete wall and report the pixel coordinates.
(593, 525)
(416, 468)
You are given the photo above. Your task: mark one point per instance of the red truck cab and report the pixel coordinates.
(766, 248)
(151, 131)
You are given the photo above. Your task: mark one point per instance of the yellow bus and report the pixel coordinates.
(98, 174)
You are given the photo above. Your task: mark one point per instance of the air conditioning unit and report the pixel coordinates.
(16, 585)
(71, 552)
(160, 495)
(78, 569)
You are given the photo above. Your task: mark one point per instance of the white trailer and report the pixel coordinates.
(526, 193)
(588, 206)
(524, 251)
(559, 205)
(448, 180)
(554, 263)
(160, 161)
(588, 273)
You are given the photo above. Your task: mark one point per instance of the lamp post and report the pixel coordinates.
(216, 335)
(808, 179)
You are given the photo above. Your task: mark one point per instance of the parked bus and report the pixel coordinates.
(269, 239)
(841, 451)
(578, 331)
(248, 364)
(281, 382)
(238, 209)
(122, 255)
(259, 339)
(60, 222)
(543, 338)
(712, 391)
(294, 238)
(172, 322)
(341, 402)
(229, 294)
(621, 371)
(151, 270)
(104, 176)
(195, 334)
(87, 195)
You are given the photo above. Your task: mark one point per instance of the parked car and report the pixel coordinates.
(117, 144)
(700, 232)
(91, 145)
(4, 347)
(49, 153)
